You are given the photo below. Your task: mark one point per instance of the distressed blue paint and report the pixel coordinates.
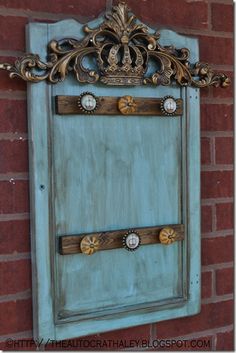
(110, 173)
(38, 113)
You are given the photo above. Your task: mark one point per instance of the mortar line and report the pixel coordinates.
(15, 257)
(16, 296)
(14, 217)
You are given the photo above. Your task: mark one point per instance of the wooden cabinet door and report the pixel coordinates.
(104, 173)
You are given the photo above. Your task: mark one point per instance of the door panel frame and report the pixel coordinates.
(44, 246)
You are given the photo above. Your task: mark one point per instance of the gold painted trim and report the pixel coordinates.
(122, 48)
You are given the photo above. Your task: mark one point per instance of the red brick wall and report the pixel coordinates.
(212, 22)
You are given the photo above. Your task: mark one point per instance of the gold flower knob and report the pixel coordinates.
(89, 245)
(127, 105)
(167, 236)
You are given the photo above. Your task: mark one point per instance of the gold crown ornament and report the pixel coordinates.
(122, 47)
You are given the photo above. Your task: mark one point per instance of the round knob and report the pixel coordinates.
(168, 105)
(88, 102)
(167, 236)
(131, 241)
(127, 105)
(89, 245)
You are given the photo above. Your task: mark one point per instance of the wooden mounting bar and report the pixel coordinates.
(70, 244)
(67, 105)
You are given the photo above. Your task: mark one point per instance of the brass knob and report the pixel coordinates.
(89, 245)
(167, 236)
(127, 105)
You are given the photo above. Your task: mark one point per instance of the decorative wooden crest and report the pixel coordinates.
(123, 48)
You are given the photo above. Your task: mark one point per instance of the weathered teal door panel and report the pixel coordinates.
(101, 173)
(116, 173)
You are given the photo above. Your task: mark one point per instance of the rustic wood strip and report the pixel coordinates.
(113, 239)
(109, 106)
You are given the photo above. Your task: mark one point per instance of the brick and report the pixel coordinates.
(205, 92)
(224, 216)
(12, 33)
(142, 332)
(225, 341)
(206, 219)
(192, 15)
(216, 50)
(205, 150)
(13, 156)
(15, 237)
(225, 92)
(212, 315)
(217, 117)
(14, 196)
(217, 250)
(13, 115)
(206, 284)
(83, 7)
(222, 17)
(16, 316)
(225, 281)
(224, 148)
(217, 184)
(17, 276)
(7, 84)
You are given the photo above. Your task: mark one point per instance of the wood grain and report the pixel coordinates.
(67, 105)
(113, 240)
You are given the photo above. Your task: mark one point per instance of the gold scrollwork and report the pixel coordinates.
(122, 48)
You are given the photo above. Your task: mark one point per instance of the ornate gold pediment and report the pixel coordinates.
(122, 48)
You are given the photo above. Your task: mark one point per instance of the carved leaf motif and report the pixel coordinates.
(24, 66)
